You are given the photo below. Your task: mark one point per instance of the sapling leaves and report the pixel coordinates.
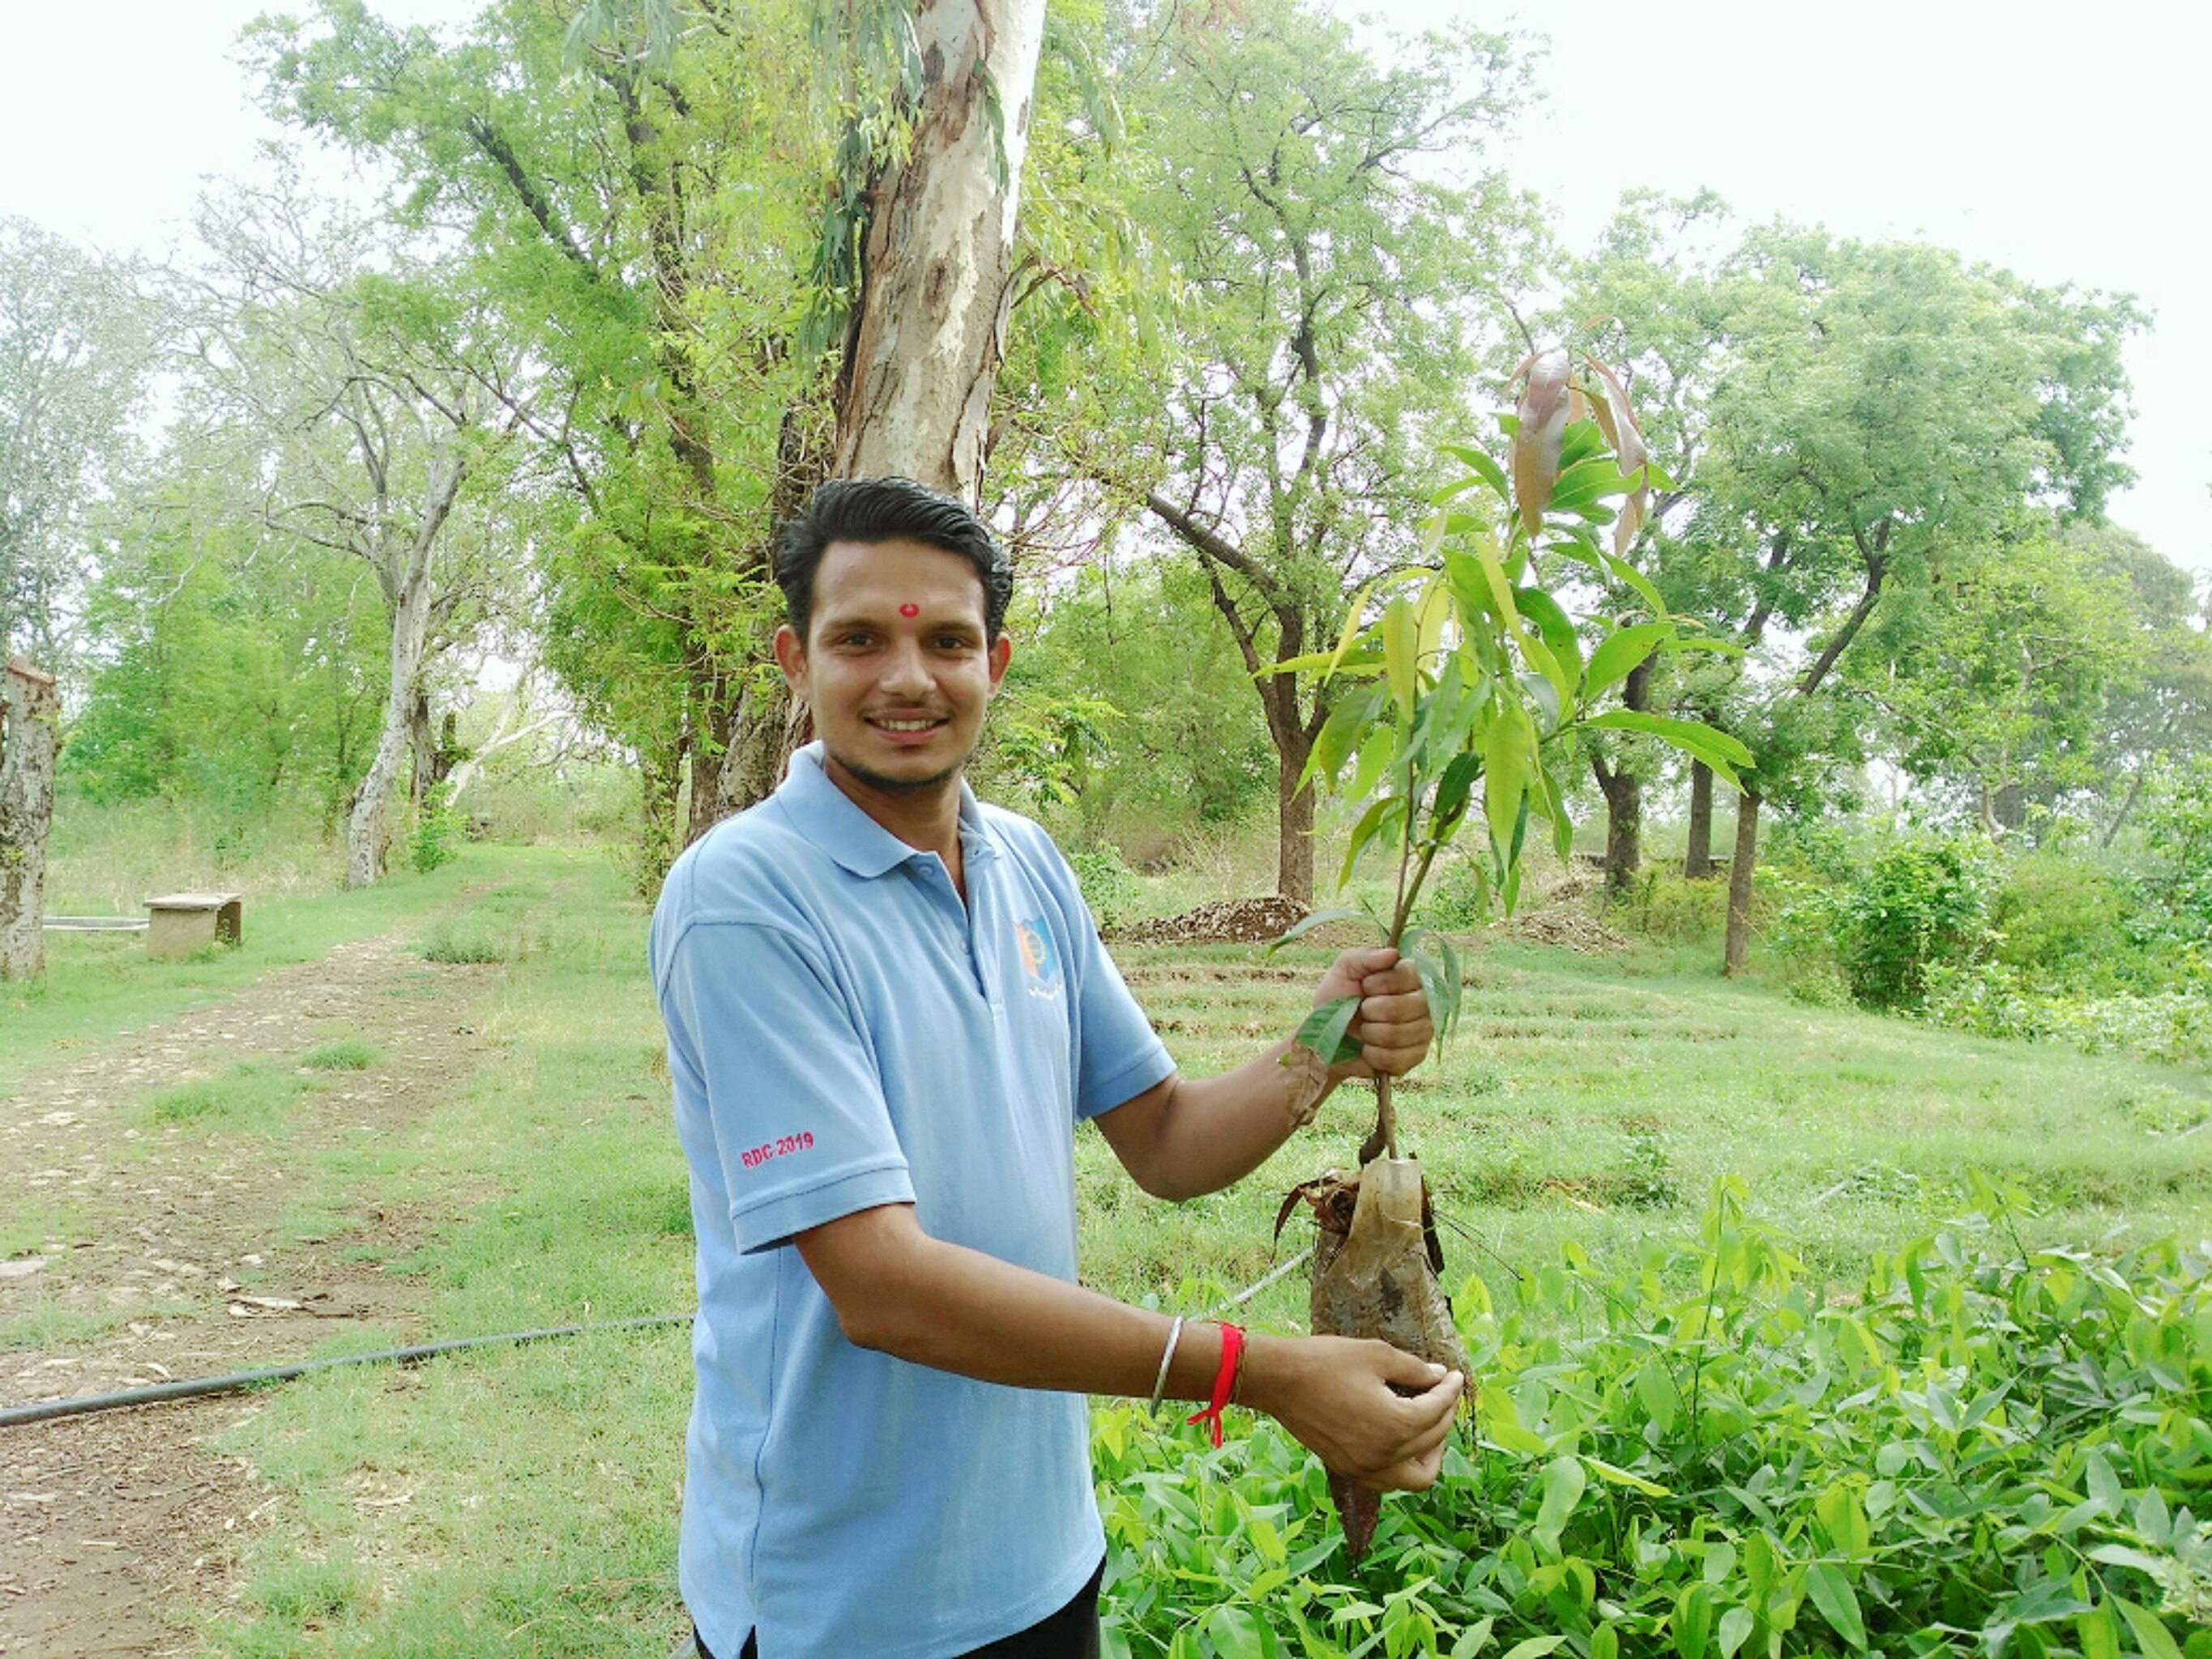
(1325, 1030)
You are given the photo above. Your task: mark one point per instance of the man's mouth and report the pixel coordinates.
(906, 723)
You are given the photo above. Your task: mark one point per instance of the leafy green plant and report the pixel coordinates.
(1110, 886)
(1980, 1448)
(435, 843)
(1920, 903)
(1459, 682)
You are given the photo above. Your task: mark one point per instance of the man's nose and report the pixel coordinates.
(906, 670)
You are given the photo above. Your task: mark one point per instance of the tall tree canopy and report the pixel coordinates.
(1340, 257)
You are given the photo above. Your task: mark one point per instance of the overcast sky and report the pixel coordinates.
(2066, 141)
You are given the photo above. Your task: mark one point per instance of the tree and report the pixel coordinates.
(75, 353)
(30, 733)
(1997, 681)
(914, 389)
(1334, 282)
(361, 398)
(1884, 416)
(639, 200)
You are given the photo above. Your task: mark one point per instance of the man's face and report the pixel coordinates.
(895, 665)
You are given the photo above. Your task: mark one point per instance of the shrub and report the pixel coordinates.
(1458, 900)
(1977, 1448)
(1109, 887)
(438, 832)
(1661, 905)
(2061, 921)
(1920, 904)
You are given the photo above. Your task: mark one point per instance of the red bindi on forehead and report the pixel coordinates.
(909, 609)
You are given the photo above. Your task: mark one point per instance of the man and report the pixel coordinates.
(887, 1011)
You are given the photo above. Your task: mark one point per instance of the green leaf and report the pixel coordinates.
(1831, 1592)
(1439, 978)
(1401, 632)
(1723, 753)
(1324, 1031)
(2151, 1633)
(1605, 1642)
(1306, 925)
(1620, 1477)
(1339, 736)
(1565, 1483)
(1618, 654)
(1236, 1633)
(1736, 1627)
(1534, 1648)
(1693, 1621)
(2099, 1633)
(1505, 780)
(1483, 467)
(1380, 816)
(1474, 1638)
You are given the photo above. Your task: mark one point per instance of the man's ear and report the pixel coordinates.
(791, 657)
(1001, 654)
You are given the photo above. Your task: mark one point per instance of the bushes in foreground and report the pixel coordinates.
(1979, 1449)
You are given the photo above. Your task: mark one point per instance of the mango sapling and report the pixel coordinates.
(1461, 681)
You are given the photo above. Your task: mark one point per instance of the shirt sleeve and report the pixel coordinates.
(787, 1081)
(1118, 1054)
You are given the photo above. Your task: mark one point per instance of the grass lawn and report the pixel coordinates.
(524, 1500)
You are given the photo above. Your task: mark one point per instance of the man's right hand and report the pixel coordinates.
(1338, 1396)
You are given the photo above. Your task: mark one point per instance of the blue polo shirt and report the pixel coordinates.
(842, 1033)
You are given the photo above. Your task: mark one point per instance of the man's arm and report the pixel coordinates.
(899, 1292)
(1183, 1137)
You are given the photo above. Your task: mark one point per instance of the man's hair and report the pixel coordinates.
(872, 510)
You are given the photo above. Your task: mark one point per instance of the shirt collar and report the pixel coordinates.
(831, 818)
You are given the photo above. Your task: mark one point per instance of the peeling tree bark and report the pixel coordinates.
(410, 597)
(914, 397)
(30, 737)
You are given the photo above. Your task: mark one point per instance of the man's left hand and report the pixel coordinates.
(1392, 1027)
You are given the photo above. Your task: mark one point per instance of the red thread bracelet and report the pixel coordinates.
(1225, 1378)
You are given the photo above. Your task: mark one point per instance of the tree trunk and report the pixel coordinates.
(1624, 825)
(1697, 861)
(411, 627)
(1294, 817)
(1737, 952)
(30, 736)
(1624, 795)
(768, 727)
(913, 395)
(422, 749)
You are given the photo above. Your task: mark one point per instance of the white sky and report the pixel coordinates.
(2067, 142)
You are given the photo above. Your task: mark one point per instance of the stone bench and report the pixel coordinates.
(181, 923)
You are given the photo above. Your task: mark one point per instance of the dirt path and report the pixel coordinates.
(180, 1262)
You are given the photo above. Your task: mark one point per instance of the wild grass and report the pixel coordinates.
(346, 1053)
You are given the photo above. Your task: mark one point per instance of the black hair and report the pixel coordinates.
(871, 510)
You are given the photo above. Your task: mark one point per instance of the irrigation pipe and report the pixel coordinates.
(192, 1386)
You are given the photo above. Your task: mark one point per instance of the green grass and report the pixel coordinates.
(525, 1500)
(344, 1054)
(251, 1096)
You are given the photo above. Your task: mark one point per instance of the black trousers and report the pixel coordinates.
(1070, 1633)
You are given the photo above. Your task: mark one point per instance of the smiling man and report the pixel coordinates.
(888, 1010)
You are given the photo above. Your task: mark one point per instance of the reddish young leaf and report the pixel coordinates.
(1543, 425)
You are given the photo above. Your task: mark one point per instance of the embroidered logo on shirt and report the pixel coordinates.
(1040, 959)
(782, 1146)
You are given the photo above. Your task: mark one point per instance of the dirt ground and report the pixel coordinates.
(180, 1255)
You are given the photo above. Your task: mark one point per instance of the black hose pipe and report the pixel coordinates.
(190, 1388)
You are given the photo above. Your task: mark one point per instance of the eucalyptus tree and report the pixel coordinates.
(1340, 257)
(640, 191)
(360, 392)
(749, 246)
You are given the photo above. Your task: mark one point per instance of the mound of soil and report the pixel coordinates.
(1223, 921)
(1571, 928)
